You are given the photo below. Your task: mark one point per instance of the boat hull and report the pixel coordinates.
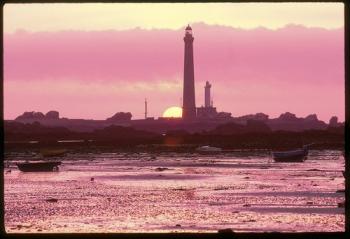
(290, 156)
(291, 159)
(208, 150)
(38, 166)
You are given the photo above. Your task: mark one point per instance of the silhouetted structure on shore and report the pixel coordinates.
(286, 122)
(189, 104)
(254, 135)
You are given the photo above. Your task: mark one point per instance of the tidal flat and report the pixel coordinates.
(176, 192)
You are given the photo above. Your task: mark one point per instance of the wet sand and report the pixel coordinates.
(120, 192)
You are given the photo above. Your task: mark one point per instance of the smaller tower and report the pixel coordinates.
(145, 108)
(207, 95)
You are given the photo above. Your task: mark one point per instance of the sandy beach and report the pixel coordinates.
(168, 192)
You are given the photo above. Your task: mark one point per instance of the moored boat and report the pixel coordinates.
(208, 149)
(40, 166)
(297, 155)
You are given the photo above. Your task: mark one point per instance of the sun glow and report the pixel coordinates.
(173, 112)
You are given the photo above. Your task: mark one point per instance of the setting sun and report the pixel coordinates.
(173, 112)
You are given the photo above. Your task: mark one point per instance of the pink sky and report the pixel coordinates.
(94, 74)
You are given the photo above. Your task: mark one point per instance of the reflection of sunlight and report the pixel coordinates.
(173, 112)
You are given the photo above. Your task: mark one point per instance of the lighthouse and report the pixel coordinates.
(207, 99)
(189, 104)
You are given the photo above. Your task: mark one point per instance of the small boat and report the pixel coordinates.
(53, 152)
(208, 149)
(297, 155)
(39, 166)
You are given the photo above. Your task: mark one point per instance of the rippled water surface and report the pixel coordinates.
(142, 192)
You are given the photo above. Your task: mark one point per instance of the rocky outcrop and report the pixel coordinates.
(257, 117)
(312, 117)
(333, 122)
(52, 115)
(287, 117)
(290, 122)
(37, 116)
(120, 116)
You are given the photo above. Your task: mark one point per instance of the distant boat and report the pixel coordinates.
(208, 149)
(297, 155)
(53, 152)
(38, 166)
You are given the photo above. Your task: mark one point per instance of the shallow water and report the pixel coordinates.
(137, 192)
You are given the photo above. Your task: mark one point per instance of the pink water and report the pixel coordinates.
(246, 192)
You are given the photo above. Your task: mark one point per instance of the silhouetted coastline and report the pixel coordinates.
(254, 135)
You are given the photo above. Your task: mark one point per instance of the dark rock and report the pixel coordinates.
(51, 200)
(287, 116)
(38, 115)
(31, 115)
(161, 169)
(177, 225)
(221, 188)
(341, 204)
(246, 205)
(52, 115)
(340, 191)
(92, 179)
(179, 189)
(226, 231)
(257, 116)
(333, 122)
(312, 117)
(120, 116)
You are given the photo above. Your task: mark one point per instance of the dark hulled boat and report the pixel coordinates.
(297, 155)
(38, 166)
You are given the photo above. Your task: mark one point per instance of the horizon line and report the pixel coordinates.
(260, 27)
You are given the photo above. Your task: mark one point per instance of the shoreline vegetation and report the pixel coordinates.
(20, 136)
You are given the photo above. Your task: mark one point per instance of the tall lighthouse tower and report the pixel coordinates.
(189, 104)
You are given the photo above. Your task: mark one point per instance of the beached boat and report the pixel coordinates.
(297, 155)
(53, 152)
(208, 149)
(39, 166)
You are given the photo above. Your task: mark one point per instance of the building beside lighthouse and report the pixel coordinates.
(208, 111)
(207, 100)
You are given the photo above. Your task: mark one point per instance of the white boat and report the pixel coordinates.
(208, 149)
